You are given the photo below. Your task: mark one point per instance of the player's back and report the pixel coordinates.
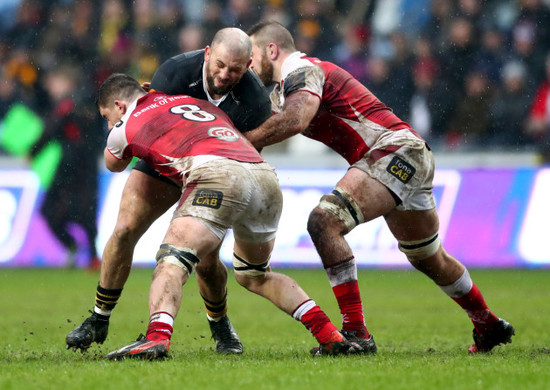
(162, 129)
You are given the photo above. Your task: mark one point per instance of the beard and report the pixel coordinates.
(266, 76)
(214, 89)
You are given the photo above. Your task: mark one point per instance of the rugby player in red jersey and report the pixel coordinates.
(225, 184)
(220, 74)
(390, 175)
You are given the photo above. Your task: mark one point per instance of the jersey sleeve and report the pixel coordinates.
(117, 142)
(308, 78)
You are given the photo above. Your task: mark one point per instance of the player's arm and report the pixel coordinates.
(113, 163)
(298, 110)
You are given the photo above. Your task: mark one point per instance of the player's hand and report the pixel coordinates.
(146, 85)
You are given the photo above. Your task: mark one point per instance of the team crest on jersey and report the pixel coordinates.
(208, 198)
(223, 133)
(401, 169)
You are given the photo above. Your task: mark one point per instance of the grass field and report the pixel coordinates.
(421, 334)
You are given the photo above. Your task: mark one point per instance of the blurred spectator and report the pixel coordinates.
(241, 13)
(458, 58)
(351, 52)
(508, 111)
(401, 79)
(212, 19)
(190, 37)
(313, 30)
(470, 121)
(433, 102)
(490, 56)
(525, 50)
(538, 127)
(8, 94)
(72, 196)
(536, 15)
(438, 25)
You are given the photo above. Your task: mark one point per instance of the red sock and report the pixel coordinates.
(315, 320)
(351, 308)
(160, 327)
(476, 308)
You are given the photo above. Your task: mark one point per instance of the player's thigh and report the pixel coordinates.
(192, 233)
(144, 199)
(412, 225)
(254, 252)
(372, 197)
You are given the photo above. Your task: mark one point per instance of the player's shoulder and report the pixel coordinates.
(250, 88)
(184, 62)
(298, 62)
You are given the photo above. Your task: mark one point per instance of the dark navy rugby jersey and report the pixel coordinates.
(247, 104)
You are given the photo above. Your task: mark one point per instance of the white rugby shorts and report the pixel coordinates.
(225, 194)
(408, 171)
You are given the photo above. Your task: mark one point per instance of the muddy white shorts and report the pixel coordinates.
(227, 194)
(403, 163)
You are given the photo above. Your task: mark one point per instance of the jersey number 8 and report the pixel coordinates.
(192, 112)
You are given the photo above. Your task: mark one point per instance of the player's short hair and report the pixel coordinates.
(270, 31)
(118, 86)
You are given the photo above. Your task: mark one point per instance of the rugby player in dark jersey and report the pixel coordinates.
(219, 74)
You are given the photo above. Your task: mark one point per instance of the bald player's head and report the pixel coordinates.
(234, 40)
(226, 60)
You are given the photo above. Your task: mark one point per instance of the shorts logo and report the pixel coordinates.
(401, 169)
(208, 198)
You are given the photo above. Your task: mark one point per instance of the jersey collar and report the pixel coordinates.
(205, 87)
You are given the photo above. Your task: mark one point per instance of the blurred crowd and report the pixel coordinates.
(467, 74)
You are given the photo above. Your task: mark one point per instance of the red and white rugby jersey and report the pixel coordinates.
(350, 118)
(177, 133)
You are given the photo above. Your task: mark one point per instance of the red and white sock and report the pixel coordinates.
(464, 292)
(161, 326)
(343, 280)
(315, 320)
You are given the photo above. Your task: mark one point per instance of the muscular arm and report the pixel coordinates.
(299, 109)
(114, 164)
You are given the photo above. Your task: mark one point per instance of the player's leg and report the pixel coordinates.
(186, 243)
(417, 233)
(212, 281)
(252, 271)
(357, 198)
(254, 230)
(144, 199)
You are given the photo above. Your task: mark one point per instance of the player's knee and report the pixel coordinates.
(126, 232)
(248, 274)
(184, 258)
(419, 250)
(337, 209)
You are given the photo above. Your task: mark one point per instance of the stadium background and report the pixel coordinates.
(451, 68)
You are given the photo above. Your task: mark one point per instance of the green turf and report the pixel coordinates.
(421, 334)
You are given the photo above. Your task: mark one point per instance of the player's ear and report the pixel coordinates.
(272, 51)
(207, 51)
(121, 106)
